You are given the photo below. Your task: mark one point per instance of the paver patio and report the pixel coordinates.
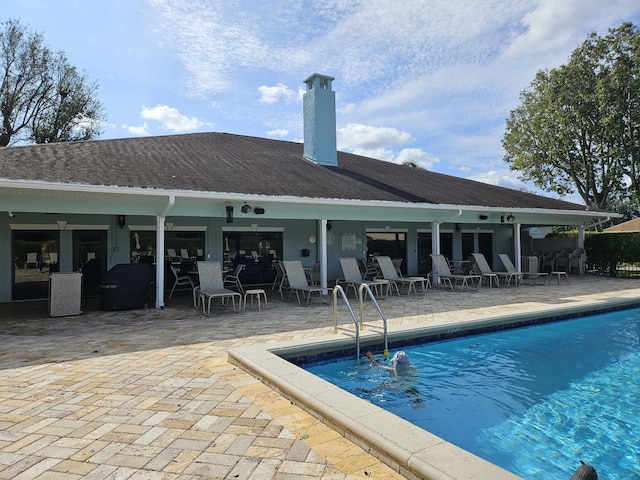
(147, 394)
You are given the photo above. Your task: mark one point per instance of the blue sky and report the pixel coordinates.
(432, 81)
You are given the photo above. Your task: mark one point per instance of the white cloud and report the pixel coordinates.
(282, 132)
(269, 95)
(171, 119)
(503, 178)
(378, 142)
(417, 156)
(354, 136)
(140, 131)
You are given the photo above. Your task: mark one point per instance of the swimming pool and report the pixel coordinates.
(534, 400)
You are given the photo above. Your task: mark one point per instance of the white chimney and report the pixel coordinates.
(320, 121)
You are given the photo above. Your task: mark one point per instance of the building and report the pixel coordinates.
(217, 195)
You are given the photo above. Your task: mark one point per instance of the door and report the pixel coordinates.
(35, 254)
(90, 258)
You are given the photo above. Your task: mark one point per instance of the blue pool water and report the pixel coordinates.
(534, 400)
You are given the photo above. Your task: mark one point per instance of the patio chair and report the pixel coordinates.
(314, 274)
(530, 266)
(486, 272)
(514, 274)
(369, 272)
(212, 286)
(389, 273)
(32, 259)
(172, 256)
(548, 261)
(441, 272)
(281, 278)
(179, 280)
(577, 259)
(298, 281)
(233, 278)
(562, 260)
(353, 276)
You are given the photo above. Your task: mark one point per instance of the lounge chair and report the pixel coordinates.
(530, 266)
(508, 264)
(298, 281)
(353, 277)
(441, 272)
(212, 286)
(487, 273)
(389, 273)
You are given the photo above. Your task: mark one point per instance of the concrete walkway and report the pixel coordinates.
(149, 394)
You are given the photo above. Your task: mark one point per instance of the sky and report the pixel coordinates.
(427, 81)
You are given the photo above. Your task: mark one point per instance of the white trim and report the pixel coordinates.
(385, 230)
(252, 229)
(175, 228)
(272, 199)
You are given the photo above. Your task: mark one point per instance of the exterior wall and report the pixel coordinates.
(350, 238)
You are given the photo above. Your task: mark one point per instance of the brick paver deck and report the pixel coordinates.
(149, 394)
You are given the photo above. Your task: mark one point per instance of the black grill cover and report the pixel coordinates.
(127, 286)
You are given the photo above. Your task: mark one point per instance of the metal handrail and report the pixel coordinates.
(356, 330)
(361, 288)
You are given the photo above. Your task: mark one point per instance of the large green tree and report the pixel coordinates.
(43, 98)
(578, 126)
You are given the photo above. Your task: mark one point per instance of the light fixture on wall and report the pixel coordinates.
(11, 214)
(510, 218)
(122, 221)
(501, 218)
(329, 225)
(483, 217)
(258, 211)
(229, 210)
(246, 208)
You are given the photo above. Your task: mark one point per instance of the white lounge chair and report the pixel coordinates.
(353, 277)
(530, 267)
(298, 281)
(212, 286)
(486, 272)
(389, 273)
(514, 274)
(441, 272)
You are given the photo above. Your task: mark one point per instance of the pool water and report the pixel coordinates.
(534, 400)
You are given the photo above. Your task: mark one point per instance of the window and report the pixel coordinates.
(35, 254)
(390, 244)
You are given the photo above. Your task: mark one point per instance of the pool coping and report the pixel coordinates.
(409, 450)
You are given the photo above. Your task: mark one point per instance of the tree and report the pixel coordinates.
(578, 126)
(43, 99)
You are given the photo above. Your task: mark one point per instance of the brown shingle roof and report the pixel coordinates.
(226, 163)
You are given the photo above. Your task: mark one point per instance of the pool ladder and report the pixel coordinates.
(359, 324)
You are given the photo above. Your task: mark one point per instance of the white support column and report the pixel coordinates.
(160, 262)
(517, 248)
(435, 245)
(580, 236)
(435, 238)
(322, 228)
(160, 252)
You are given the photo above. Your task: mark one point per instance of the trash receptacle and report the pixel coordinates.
(65, 294)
